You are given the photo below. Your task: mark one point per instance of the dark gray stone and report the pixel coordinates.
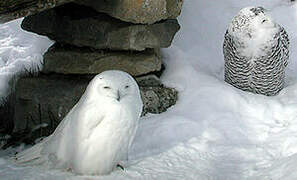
(137, 11)
(7, 102)
(73, 60)
(6, 114)
(48, 98)
(148, 81)
(82, 26)
(157, 99)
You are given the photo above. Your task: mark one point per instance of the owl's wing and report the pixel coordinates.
(76, 126)
(229, 49)
(233, 59)
(284, 41)
(62, 139)
(35, 155)
(31, 156)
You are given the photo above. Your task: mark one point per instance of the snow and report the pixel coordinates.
(20, 52)
(215, 131)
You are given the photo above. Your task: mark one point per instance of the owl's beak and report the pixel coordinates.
(118, 96)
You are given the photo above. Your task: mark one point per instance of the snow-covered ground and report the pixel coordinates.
(214, 131)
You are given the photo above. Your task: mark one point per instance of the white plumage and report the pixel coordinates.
(256, 52)
(98, 131)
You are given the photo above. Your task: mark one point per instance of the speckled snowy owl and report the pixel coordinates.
(95, 136)
(256, 52)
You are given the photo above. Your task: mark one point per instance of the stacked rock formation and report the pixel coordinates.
(93, 36)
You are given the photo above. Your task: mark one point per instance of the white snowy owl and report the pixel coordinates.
(256, 52)
(98, 131)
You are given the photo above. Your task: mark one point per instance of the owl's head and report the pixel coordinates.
(252, 22)
(113, 84)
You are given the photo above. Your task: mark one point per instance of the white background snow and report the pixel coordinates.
(214, 131)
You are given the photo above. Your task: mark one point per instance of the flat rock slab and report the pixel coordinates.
(81, 26)
(46, 99)
(137, 11)
(14, 9)
(74, 60)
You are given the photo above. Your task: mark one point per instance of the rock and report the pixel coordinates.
(15, 9)
(157, 99)
(82, 26)
(148, 80)
(46, 99)
(7, 99)
(6, 114)
(138, 11)
(73, 60)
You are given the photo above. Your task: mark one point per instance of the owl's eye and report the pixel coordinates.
(106, 87)
(264, 20)
(126, 87)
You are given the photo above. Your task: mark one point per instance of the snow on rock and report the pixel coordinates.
(20, 51)
(215, 131)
